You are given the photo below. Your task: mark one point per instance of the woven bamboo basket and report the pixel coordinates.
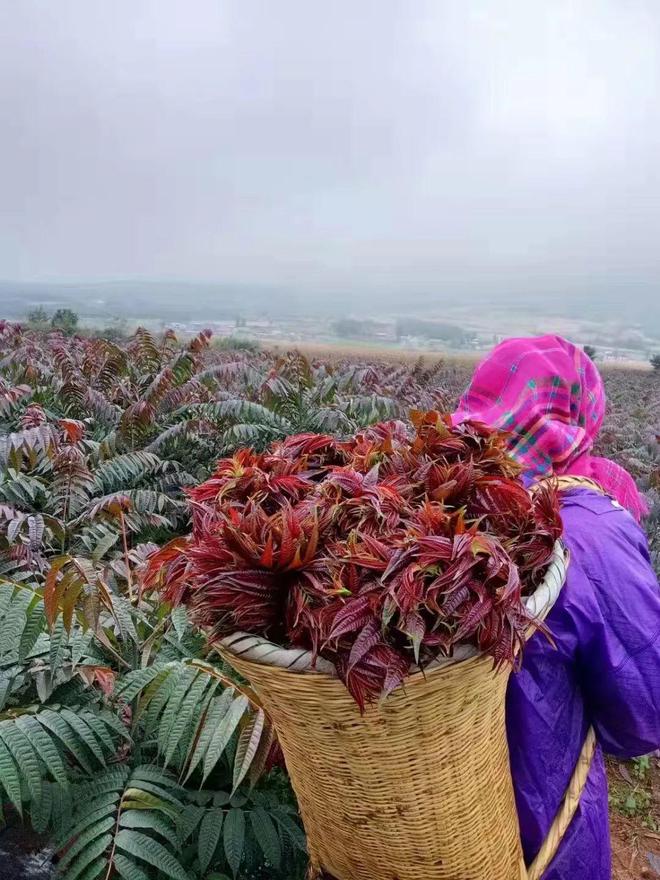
(417, 788)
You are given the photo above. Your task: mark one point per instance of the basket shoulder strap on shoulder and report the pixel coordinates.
(578, 780)
(565, 482)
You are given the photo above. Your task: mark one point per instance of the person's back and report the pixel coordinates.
(602, 668)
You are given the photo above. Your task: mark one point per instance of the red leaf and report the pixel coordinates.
(352, 617)
(366, 640)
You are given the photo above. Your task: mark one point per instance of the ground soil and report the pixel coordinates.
(636, 837)
(24, 855)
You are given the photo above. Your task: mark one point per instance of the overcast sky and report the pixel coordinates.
(366, 143)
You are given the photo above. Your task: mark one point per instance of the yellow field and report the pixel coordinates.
(329, 351)
(344, 350)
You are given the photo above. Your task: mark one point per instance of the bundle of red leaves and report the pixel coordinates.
(379, 553)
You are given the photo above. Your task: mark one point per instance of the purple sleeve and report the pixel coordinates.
(617, 626)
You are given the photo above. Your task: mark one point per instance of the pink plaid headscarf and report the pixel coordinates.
(550, 396)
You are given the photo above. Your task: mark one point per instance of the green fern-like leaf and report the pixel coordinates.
(156, 695)
(290, 828)
(57, 726)
(135, 681)
(14, 622)
(24, 755)
(118, 817)
(223, 734)
(35, 624)
(10, 778)
(184, 432)
(41, 810)
(185, 713)
(79, 723)
(90, 861)
(77, 732)
(62, 808)
(44, 745)
(128, 870)
(209, 837)
(98, 809)
(185, 677)
(234, 839)
(125, 471)
(267, 836)
(100, 729)
(84, 838)
(208, 726)
(146, 849)
(248, 743)
(32, 750)
(188, 820)
(150, 820)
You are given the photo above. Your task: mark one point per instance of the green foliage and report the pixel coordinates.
(427, 329)
(53, 726)
(631, 791)
(38, 317)
(74, 480)
(97, 680)
(153, 395)
(117, 331)
(291, 398)
(655, 361)
(70, 508)
(236, 343)
(65, 320)
(146, 775)
(590, 351)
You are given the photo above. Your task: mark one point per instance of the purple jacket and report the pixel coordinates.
(605, 671)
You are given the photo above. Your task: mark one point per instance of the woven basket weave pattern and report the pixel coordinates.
(375, 791)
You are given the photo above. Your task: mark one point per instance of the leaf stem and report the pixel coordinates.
(129, 580)
(111, 858)
(246, 691)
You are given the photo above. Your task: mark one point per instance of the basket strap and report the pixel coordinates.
(565, 482)
(566, 811)
(578, 780)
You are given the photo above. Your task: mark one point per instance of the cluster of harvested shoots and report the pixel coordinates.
(378, 553)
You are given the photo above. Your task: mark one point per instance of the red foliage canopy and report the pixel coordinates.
(377, 553)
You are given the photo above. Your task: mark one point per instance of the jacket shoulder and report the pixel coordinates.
(594, 515)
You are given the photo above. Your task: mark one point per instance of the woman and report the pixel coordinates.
(604, 670)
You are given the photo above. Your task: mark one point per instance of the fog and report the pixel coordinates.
(370, 147)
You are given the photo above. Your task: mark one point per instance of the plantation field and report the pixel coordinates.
(343, 350)
(123, 739)
(340, 352)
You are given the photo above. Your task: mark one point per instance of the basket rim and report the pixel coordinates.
(257, 649)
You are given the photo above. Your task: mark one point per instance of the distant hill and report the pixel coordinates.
(171, 301)
(622, 302)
